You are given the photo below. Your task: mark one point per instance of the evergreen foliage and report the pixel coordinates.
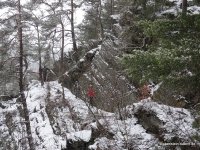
(173, 56)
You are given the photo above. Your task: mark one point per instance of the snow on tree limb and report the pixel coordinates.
(69, 78)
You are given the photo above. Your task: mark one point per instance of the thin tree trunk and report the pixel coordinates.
(72, 27)
(62, 48)
(62, 43)
(100, 20)
(184, 8)
(21, 84)
(53, 43)
(111, 7)
(40, 58)
(111, 13)
(144, 6)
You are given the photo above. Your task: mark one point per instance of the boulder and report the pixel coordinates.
(150, 122)
(2, 106)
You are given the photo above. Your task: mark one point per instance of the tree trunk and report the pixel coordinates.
(111, 7)
(100, 20)
(72, 27)
(62, 48)
(62, 43)
(39, 57)
(21, 84)
(184, 8)
(144, 6)
(111, 13)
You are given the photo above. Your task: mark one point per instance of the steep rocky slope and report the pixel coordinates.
(101, 67)
(55, 119)
(111, 85)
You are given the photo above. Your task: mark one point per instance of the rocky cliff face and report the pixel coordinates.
(105, 74)
(101, 67)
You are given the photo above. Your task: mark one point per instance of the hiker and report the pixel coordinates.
(91, 94)
(144, 91)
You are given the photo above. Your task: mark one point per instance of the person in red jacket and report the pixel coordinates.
(91, 94)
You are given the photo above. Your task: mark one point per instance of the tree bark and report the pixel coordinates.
(39, 56)
(62, 43)
(184, 8)
(144, 6)
(100, 20)
(21, 79)
(62, 48)
(72, 27)
(111, 13)
(111, 7)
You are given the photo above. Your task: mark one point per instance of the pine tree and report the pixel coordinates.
(93, 26)
(21, 78)
(172, 56)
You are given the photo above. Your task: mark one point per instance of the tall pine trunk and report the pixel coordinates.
(21, 79)
(39, 57)
(184, 8)
(62, 43)
(111, 7)
(111, 13)
(144, 6)
(100, 20)
(62, 49)
(73, 32)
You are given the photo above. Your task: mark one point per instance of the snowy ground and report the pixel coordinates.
(176, 9)
(52, 121)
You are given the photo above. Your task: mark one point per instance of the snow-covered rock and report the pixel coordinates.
(55, 119)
